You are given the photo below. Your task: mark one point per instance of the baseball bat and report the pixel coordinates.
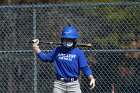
(78, 44)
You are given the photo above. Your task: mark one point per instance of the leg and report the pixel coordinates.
(57, 90)
(76, 90)
(59, 87)
(73, 87)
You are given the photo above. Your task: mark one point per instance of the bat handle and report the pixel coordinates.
(31, 42)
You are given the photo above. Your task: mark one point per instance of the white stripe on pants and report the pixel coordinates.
(69, 87)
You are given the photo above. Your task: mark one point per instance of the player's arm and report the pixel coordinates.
(41, 55)
(37, 50)
(85, 68)
(88, 72)
(89, 75)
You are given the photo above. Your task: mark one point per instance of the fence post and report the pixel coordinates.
(35, 62)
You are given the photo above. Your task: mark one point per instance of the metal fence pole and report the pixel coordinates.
(35, 62)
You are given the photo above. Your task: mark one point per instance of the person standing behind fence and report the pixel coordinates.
(68, 61)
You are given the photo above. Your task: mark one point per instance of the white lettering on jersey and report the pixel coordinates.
(68, 57)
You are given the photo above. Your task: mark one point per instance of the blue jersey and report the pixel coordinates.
(68, 61)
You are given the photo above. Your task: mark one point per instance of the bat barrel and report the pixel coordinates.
(84, 45)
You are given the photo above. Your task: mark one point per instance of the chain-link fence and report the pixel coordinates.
(112, 28)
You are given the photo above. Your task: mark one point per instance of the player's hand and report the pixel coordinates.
(92, 83)
(35, 43)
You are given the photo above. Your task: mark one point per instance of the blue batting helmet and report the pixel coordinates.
(69, 32)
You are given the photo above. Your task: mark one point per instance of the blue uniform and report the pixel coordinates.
(68, 61)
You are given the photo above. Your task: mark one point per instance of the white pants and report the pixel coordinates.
(69, 87)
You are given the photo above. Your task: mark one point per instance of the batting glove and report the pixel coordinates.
(35, 43)
(92, 83)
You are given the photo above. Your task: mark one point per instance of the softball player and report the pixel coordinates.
(68, 61)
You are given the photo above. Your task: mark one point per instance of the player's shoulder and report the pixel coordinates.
(58, 48)
(78, 50)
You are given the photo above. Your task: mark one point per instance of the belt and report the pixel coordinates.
(67, 79)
